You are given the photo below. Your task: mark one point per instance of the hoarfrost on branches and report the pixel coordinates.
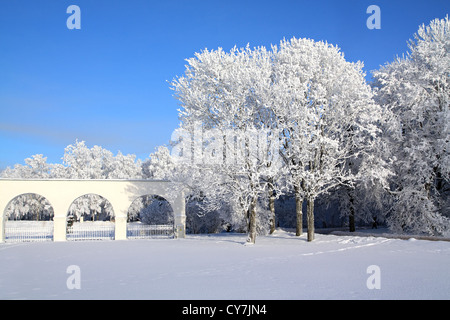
(415, 89)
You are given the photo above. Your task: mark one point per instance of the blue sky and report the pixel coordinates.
(107, 83)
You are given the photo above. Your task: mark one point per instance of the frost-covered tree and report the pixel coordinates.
(304, 94)
(124, 167)
(416, 89)
(158, 211)
(29, 207)
(36, 167)
(91, 207)
(328, 119)
(82, 162)
(225, 100)
(160, 166)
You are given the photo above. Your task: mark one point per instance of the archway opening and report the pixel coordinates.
(90, 217)
(28, 217)
(150, 216)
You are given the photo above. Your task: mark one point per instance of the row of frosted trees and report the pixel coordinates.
(300, 119)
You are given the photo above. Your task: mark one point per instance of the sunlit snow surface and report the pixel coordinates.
(221, 266)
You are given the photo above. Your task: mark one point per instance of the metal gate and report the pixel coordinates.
(88, 230)
(26, 230)
(137, 230)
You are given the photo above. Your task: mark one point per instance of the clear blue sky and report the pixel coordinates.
(107, 83)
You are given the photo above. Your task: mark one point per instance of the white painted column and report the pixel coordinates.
(120, 228)
(120, 204)
(180, 216)
(60, 206)
(59, 228)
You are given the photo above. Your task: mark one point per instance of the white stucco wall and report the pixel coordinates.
(120, 193)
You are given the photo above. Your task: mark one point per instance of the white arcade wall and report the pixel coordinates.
(120, 193)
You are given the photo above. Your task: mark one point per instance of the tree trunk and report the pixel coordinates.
(439, 189)
(351, 220)
(298, 211)
(310, 217)
(272, 209)
(252, 222)
(351, 217)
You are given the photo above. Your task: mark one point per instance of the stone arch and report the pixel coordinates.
(150, 215)
(90, 217)
(28, 217)
(41, 212)
(134, 210)
(91, 207)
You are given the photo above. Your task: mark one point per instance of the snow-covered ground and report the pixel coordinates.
(221, 266)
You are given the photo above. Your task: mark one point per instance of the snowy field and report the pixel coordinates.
(221, 266)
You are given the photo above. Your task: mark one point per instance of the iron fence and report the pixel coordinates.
(98, 230)
(25, 231)
(145, 231)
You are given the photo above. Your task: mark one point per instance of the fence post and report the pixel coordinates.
(179, 231)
